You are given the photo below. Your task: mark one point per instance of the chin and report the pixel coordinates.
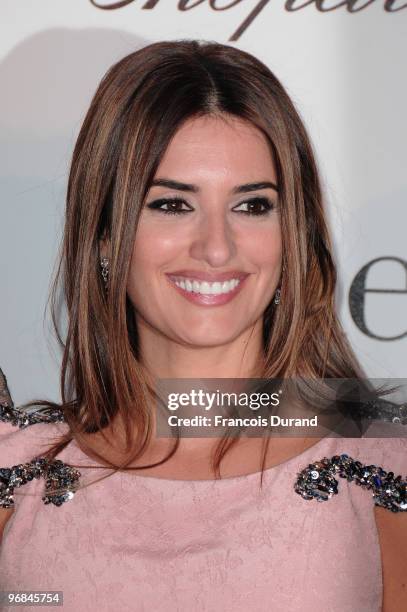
(208, 338)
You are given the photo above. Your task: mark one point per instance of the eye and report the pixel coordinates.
(254, 206)
(173, 204)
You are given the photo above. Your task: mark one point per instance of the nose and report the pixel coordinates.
(214, 240)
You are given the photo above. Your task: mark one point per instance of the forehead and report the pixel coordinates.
(208, 146)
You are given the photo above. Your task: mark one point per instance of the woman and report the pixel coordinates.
(195, 246)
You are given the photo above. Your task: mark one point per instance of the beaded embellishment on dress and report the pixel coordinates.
(57, 474)
(318, 481)
(60, 478)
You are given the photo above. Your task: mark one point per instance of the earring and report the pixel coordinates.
(104, 266)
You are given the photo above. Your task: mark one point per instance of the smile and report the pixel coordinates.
(206, 292)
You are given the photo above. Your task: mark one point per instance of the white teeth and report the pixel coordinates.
(207, 288)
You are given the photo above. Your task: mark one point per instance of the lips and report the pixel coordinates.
(204, 299)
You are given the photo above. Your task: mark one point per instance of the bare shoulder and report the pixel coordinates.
(392, 530)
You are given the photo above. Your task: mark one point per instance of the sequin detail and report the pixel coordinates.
(318, 481)
(21, 418)
(58, 476)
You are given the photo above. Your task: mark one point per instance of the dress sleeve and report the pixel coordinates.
(22, 445)
(378, 464)
(23, 435)
(24, 439)
(389, 440)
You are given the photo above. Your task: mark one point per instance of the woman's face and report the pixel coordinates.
(218, 172)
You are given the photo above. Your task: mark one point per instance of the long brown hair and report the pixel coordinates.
(139, 105)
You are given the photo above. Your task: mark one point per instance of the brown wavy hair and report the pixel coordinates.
(139, 105)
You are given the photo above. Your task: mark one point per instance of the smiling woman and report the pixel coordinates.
(195, 247)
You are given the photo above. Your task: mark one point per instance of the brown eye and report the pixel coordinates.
(256, 206)
(173, 204)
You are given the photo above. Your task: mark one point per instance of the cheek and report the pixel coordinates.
(153, 250)
(264, 247)
(151, 245)
(158, 240)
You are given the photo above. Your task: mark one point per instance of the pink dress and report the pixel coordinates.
(140, 543)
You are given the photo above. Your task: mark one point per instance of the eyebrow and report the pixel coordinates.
(171, 184)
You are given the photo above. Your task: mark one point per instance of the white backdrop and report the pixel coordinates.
(342, 66)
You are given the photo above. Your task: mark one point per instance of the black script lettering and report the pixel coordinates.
(249, 19)
(112, 6)
(352, 6)
(150, 4)
(183, 4)
(357, 297)
(388, 6)
(212, 4)
(319, 4)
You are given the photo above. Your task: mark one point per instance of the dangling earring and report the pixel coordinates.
(104, 266)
